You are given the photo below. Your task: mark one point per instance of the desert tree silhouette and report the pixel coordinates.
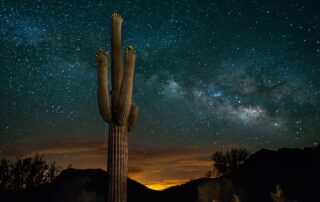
(225, 163)
(4, 174)
(26, 173)
(278, 195)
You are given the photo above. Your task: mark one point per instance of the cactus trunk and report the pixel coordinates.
(120, 114)
(118, 163)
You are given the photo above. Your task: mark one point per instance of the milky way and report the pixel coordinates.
(209, 74)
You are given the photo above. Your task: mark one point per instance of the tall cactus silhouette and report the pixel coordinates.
(118, 111)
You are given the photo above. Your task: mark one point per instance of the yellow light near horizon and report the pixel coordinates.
(164, 184)
(159, 187)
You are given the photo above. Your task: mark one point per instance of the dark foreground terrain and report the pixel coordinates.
(296, 171)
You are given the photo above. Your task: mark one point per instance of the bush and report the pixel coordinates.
(26, 173)
(227, 162)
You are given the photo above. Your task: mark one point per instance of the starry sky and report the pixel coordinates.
(210, 75)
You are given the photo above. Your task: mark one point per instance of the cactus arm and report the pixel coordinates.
(116, 54)
(102, 60)
(125, 97)
(132, 120)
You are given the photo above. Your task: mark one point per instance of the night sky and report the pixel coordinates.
(210, 75)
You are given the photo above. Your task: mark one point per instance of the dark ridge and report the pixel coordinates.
(185, 192)
(295, 170)
(77, 185)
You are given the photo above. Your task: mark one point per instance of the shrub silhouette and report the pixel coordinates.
(225, 163)
(26, 173)
(278, 195)
(4, 174)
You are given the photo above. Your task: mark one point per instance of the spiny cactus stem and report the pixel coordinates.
(124, 102)
(133, 118)
(120, 115)
(102, 60)
(116, 54)
(118, 163)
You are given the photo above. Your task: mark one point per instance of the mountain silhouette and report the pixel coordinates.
(295, 170)
(76, 185)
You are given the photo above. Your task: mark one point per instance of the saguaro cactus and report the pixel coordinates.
(118, 111)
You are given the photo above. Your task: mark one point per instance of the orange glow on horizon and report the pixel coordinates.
(165, 184)
(157, 187)
(156, 170)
